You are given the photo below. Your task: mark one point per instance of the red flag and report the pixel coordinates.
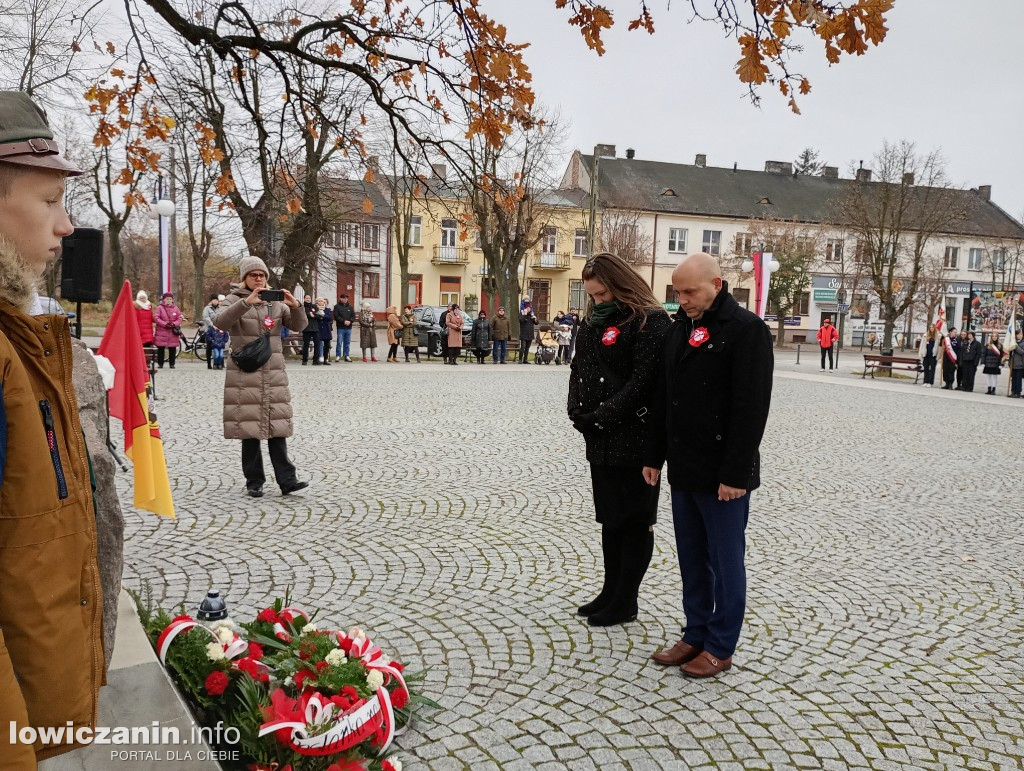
(130, 403)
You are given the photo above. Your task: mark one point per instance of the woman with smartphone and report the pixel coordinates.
(258, 404)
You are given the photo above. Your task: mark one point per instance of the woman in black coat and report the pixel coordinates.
(618, 352)
(992, 359)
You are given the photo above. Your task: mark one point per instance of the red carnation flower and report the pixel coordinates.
(216, 683)
(268, 615)
(255, 651)
(386, 766)
(302, 676)
(399, 698)
(397, 665)
(350, 693)
(321, 666)
(341, 702)
(251, 668)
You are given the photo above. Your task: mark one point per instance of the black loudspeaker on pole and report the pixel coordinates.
(81, 269)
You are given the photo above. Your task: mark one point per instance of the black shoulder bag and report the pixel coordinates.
(253, 355)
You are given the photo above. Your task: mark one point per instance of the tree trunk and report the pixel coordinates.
(199, 286)
(780, 331)
(508, 291)
(117, 256)
(890, 326)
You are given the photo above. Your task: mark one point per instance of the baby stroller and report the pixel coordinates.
(547, 346)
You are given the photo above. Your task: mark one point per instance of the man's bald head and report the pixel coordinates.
(697, 281)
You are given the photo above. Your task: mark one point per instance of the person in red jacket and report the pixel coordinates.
(827, 336)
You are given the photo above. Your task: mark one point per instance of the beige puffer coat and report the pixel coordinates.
(257, 405)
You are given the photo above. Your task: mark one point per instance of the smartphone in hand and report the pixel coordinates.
(272, 295)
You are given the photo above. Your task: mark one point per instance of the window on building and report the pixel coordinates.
(677, 240)
(579, 244)
(334, 236)
(371, 284)
(744, 244)
(802, 306)
(712, 243)
(449, 233)
(415, 231)
(548, 239)
(670, 294)
(833, 250)
(478, 242)
(352, 236)
(451, 289)
(974, 257)
(577, 295)
(951, 257)
(371, 237)
(860, 254)
(999, 260)
(742, 296)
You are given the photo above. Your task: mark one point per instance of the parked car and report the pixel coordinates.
(51, 306)
(428, 327)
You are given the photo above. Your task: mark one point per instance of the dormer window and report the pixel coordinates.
(670, 192)
(766, 201)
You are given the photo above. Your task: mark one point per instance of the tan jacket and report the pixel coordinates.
(454, 324)
(394, 326)
(257, 405)
(51, 647)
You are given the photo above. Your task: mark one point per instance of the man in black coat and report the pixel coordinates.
(709, 414)
(344, 317)
(527, 325)
(949, 365)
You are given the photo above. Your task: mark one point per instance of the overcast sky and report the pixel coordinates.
(947, 76)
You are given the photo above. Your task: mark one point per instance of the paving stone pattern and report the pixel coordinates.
(450, 515)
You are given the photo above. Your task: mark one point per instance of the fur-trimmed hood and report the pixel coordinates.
(17, 282)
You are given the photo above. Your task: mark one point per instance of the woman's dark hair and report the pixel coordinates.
(623, 282)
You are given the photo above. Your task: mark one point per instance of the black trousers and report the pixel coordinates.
(626, 507)
(948, 372)
(451, 354)
(524, 349)
(309, 340)
(829, 352)
(172, 352)
(414, 349)
(929, 370)
(252, 462)
(967, 373)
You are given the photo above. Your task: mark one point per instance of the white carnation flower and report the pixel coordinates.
(395, 764)
(215, 651)
(374, 680)
(310, 627)
(289, 681)
(225, 634)
(224, 622)
(335, 657)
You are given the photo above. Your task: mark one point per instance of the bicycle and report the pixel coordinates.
(196, 346)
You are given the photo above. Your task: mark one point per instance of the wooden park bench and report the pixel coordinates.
(873, 361)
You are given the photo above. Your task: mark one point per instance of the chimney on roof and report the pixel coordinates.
(439, 171)
(985, 192)
(863, 175)
(778, 167)
(908, 178)
(734, 165)
(604, 151)
(701, 161)
(832, 172)
(630, 153)
(373, 163)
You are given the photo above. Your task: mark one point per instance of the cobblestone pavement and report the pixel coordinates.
(450, 514)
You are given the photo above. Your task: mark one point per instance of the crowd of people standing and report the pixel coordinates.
(964, 354)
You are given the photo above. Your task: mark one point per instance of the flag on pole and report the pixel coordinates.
(1011, 328)
(940, 327)
(130, 402)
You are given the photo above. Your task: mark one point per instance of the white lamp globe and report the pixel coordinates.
(151, 212)
(747, 266)
(165, 207)
(773, 265)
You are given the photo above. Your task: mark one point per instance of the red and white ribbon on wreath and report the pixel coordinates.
(232, 650)
(289, 615)
(373, 717)
(373, 658)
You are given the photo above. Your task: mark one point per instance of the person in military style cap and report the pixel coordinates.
(51, 648)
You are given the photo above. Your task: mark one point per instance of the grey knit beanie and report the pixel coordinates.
(251, 263)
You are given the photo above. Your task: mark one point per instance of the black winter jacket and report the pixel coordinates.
(344, 312)
(969, 353)
(527, 323)
(712, 397)
(616, 392)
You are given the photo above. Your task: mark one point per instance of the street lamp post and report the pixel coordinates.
(841, 310)
(762, 264)
(161, 211)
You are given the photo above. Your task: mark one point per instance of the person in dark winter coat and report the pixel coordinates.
(610, 384)
(325, 328)
(410, 342)
(501, 329)
(967, 361)
(708, 418)
(949, 364)
(311, 334)
(344, 319)
(481, 336)
(992, 359)
(527, 325)
(1017, 368)
(928, 352)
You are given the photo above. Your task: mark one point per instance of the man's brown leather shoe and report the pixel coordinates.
(706, 665)
(678, 654)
